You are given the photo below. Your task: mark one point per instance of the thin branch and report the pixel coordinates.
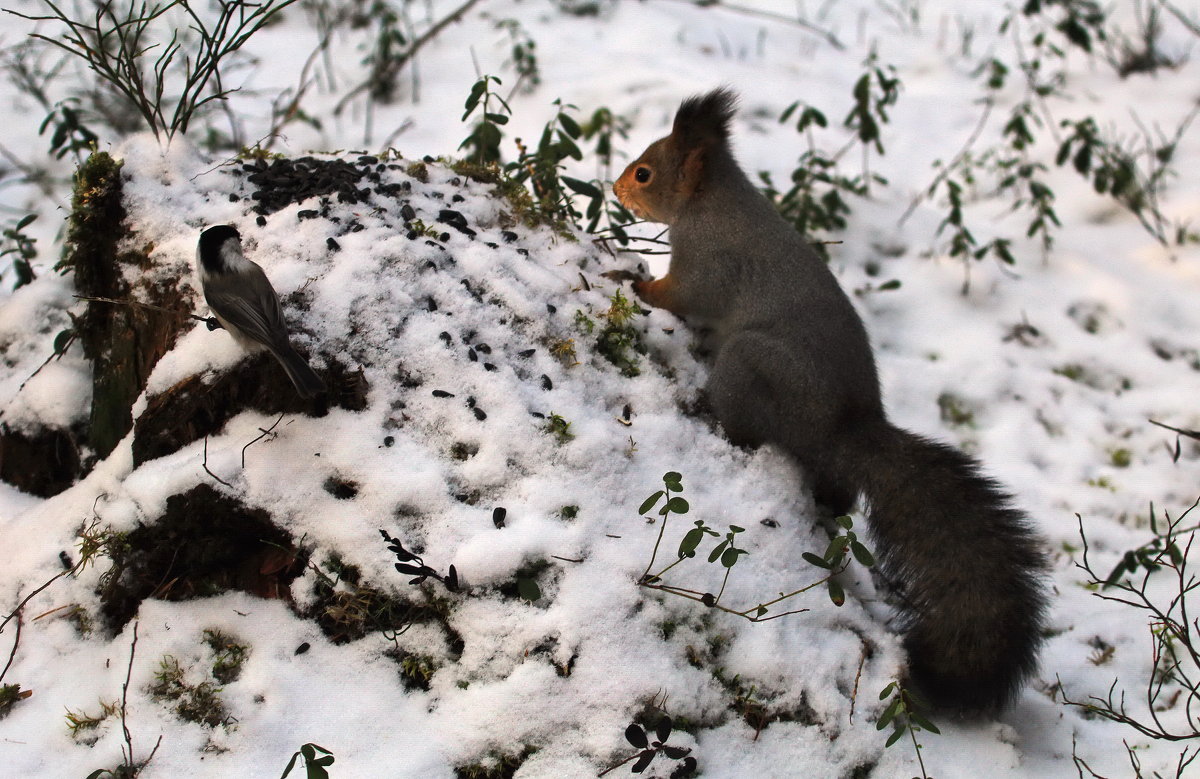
(411, 52)
(264, 434)
(13, 653)
(822, 33)
(210, 473)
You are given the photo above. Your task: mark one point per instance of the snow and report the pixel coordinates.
(1107, 301)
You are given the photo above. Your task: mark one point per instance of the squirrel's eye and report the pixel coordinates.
(642, 175)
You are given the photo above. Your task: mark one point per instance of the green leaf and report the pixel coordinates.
(496, 118)
(892, 739)
(717, 551)
(677, 505)
(736, 529)
(812, 559)
(25, 220)
(636, 736)
(585, 188)
(836, 593)
(787, 112)
(691, 540)
(888, 714)
(570, 125)
(917, 719)
(673, 477)
(887, 690)
(862, 554)
(528, 589)
(730, 557)
(845, 521)
(649, 502)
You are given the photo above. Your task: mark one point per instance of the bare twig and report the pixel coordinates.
(824, 34)
(264, 434)
(212, 322)
(210, 473)
(409, 53)
(13, 653)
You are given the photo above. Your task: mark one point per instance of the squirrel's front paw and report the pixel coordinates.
(623, 275)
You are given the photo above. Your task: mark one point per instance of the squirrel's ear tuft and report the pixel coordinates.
(703, 120)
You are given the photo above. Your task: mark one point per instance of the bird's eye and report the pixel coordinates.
(642, 175)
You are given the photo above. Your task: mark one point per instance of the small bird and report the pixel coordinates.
(245, 303)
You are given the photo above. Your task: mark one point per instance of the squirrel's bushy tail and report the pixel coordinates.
(967, 568)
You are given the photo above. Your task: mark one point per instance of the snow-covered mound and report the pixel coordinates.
(477, 340)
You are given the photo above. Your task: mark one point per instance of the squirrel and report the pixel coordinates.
(793, 367)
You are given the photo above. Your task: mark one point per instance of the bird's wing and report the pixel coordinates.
(258, 316)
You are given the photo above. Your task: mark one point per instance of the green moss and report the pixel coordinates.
(200, 703)
(9, 695)
(229, 658)
(1121, 458)
(954, 410)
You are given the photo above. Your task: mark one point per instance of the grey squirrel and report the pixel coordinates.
(793, 367)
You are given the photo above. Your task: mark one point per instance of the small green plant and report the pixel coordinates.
(636, 735)
(185, 77)
(80, 722)
(524, 54)
(905, 713)
(1172, 684)
(411, 564)
(9, 695)
(483, 142)
(21, 248)
(560, 428)
(229, 655)
(727, 553)
(200, 703)
(316, 759)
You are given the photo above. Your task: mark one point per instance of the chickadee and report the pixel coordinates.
(246, 305)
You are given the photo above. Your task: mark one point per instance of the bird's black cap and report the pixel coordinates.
(210, 244)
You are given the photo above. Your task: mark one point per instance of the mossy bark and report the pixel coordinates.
(123, 342)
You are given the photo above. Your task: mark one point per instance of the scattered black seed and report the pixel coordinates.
(470, 401)
(233, 198)
(367, 159)
(333, 245)
(435, 245)
(483, 348)
(445, 336)
(527, 353)
(627, 412)
(430, 265)
(285, 181)
(65, 559)
(308, 213)
(487, 366)
(457, 199)
(469, 336)
(428, 158)
(408, 213)
(405, 185)
(412, 235)
(479, 413)
(498, 515)
(537, 414)
(491, 245)
(388, 441)
(303, 648)
(472, 356)
(551, 308)
(442, 394)
(444, 237)
(431, 304)
(508, 235)
(260, 220)
(456, 181)
(523, 252)
(770, 522)
(356, 227)
(437, 195)
(546, 383)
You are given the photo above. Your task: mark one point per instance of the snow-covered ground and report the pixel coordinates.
(1048, 371)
